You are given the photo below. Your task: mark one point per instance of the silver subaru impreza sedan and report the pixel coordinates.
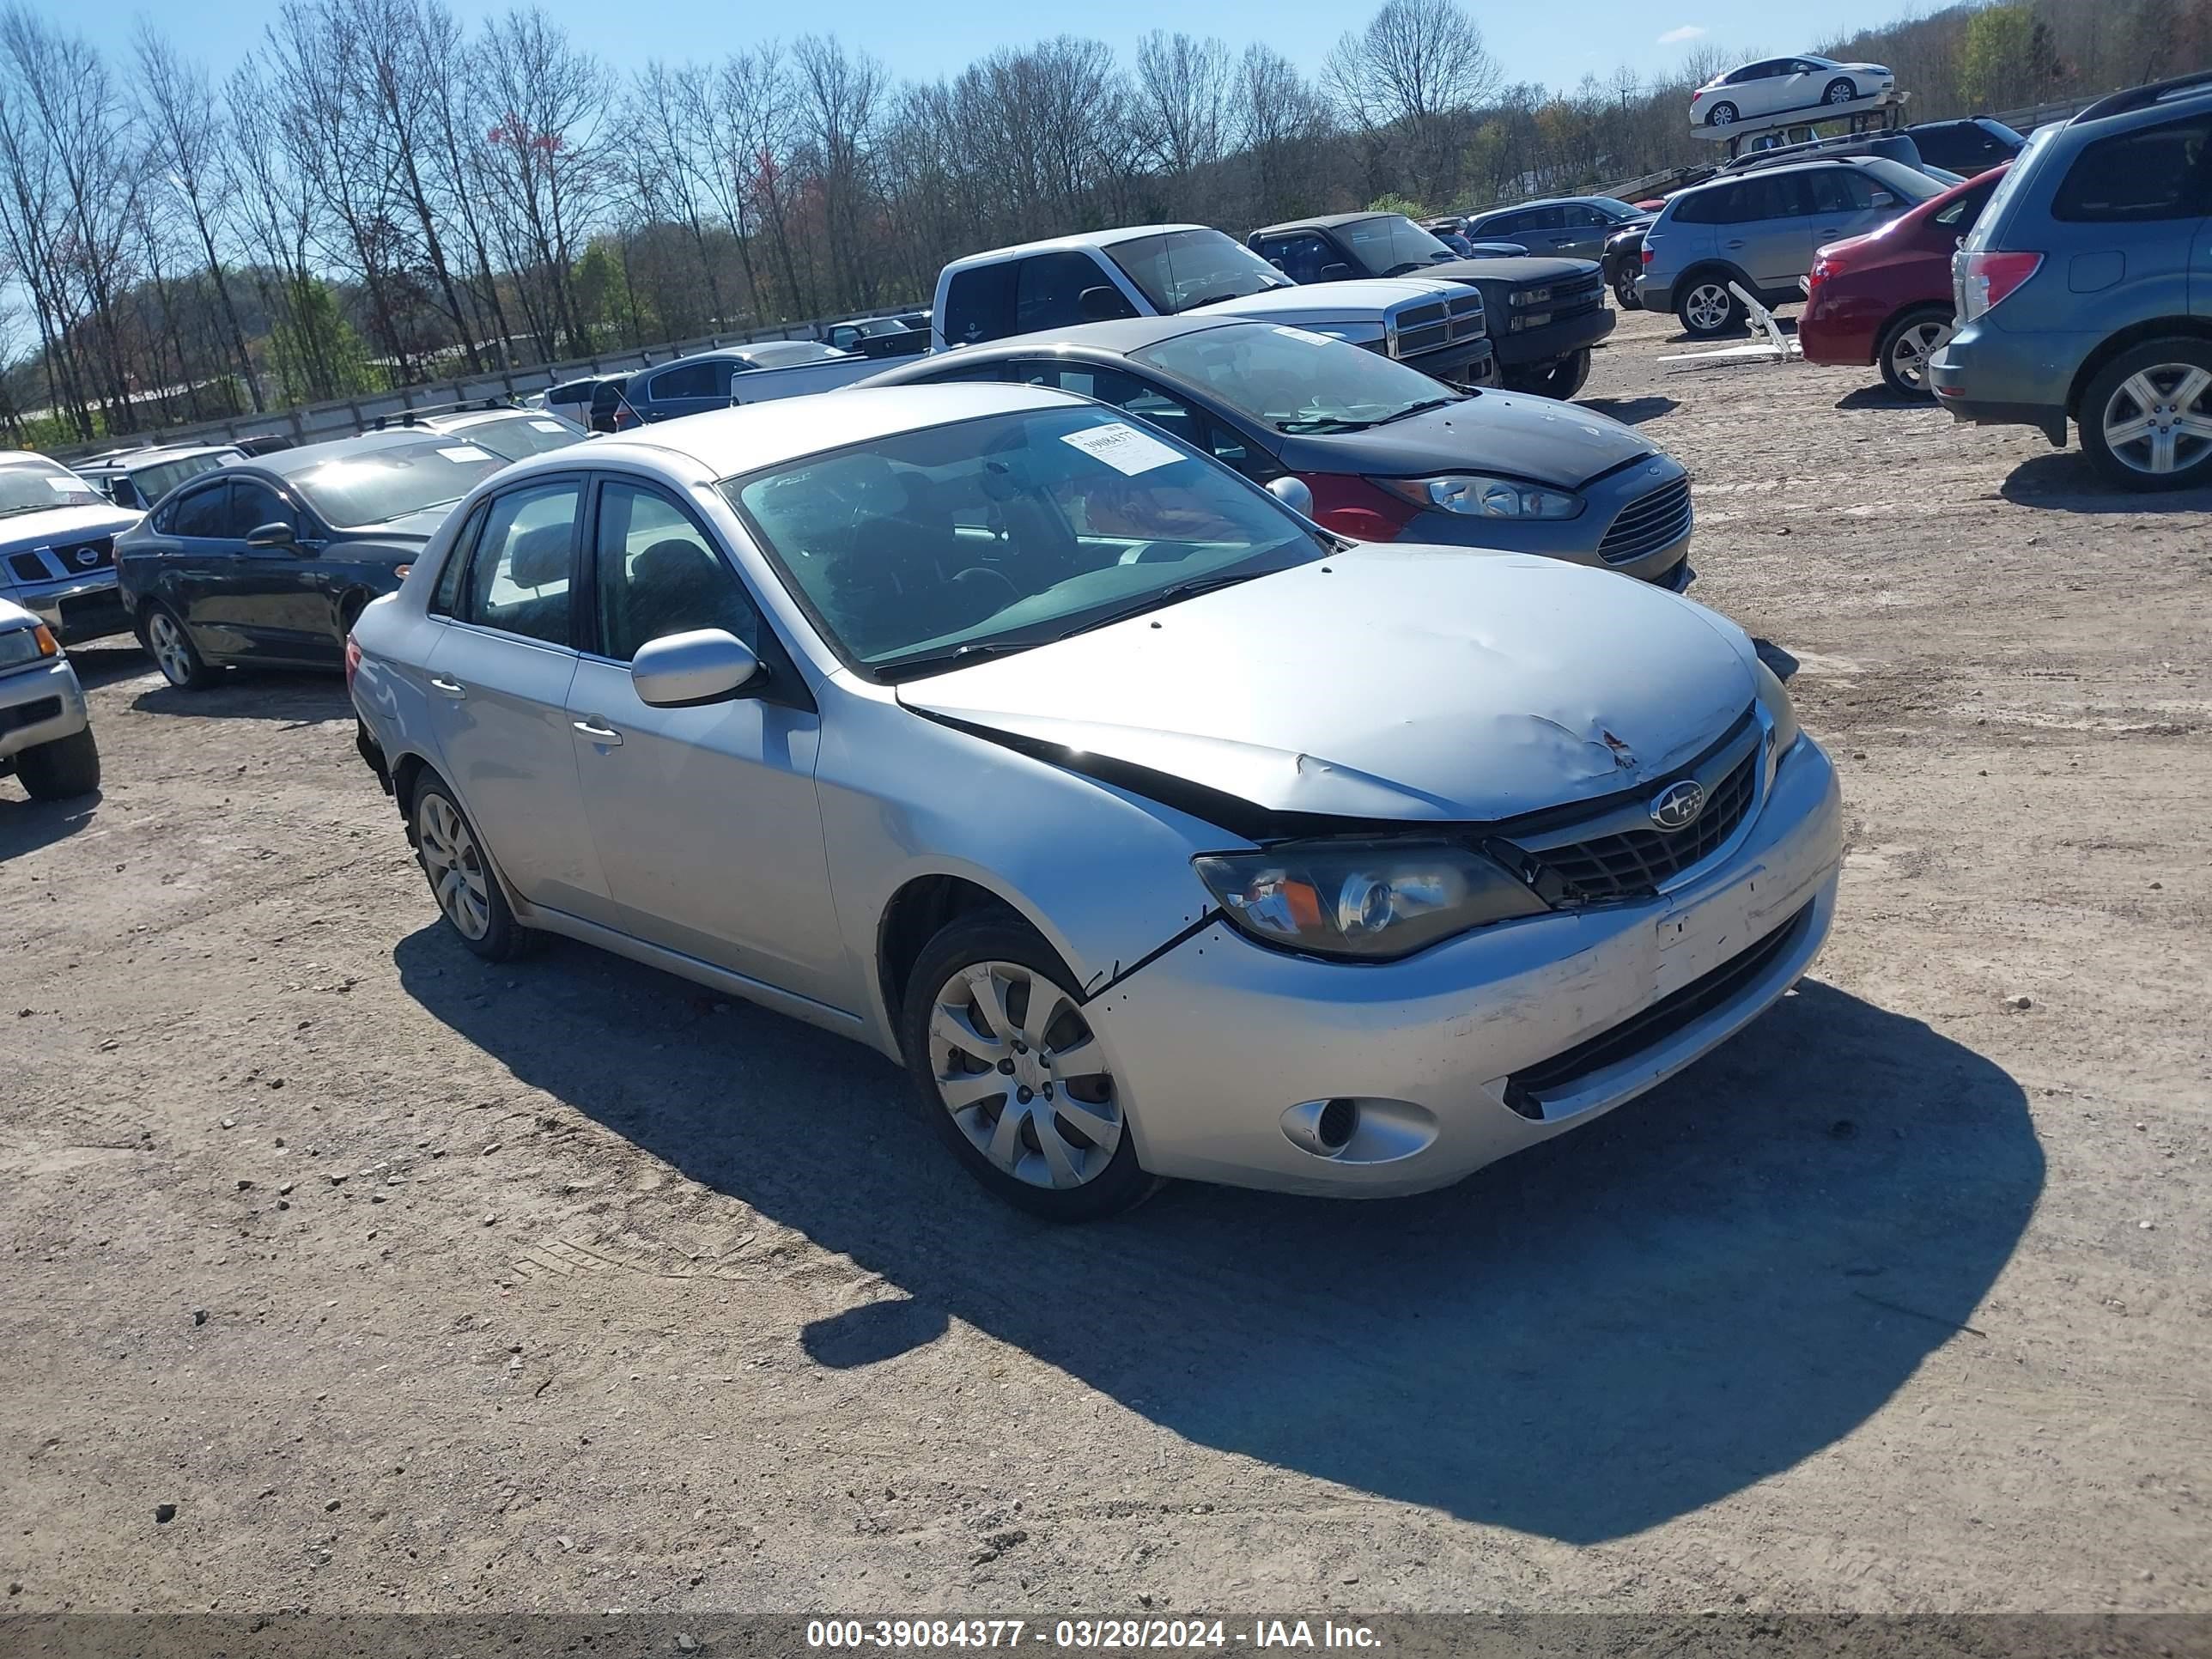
(1156, 830)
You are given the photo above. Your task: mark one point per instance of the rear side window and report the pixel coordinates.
(1717, 206)
(1302, 257)
(200, 513)
(707, 379)
(519, 580)
(979, 305)
(2144, 177)
(445, 601)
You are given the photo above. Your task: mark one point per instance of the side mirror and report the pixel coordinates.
(1290, 490)
(1883, 198)
(1103, 304)
(704, 665)
(275, 534)
(1336, 273)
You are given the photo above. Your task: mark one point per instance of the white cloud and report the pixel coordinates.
(1681, 36)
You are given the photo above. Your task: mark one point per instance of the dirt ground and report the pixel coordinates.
(417, 1284)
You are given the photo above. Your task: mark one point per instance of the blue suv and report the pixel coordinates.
(2084, 292)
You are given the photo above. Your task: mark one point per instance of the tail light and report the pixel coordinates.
(1650, 254)
(1349, 505)
(352, 659)
(1990, 277)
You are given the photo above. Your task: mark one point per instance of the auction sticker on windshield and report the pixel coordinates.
(1123, 448)
(465, 452)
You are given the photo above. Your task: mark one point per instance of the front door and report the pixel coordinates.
(499, 681)
(690, 388)
(705, 818)
(1773, 240)
(278, 596)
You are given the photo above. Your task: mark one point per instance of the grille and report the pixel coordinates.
(1412, 342)
(94, 555)
(1430, 325)
(1416, 316)
(29, 567)
(1635, 862)
(1648, 523)
(1525, 1090)
(29, 713)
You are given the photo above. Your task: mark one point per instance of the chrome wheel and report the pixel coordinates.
(1841, 92)
(1723, 115)
(1019, 1071)
(2156, 421)
(1909, 351)
(454, 866)
(172, 652)
(1708, 309)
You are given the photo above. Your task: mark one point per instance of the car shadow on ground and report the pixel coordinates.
(27, 825)
(1618, 1327)
(1633, 410)
(2067, 482)
(104, 662)
(300, 697)
(1879, 396)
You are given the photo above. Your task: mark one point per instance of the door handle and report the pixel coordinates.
(452, 689)
(605, 736)
(1735, 244)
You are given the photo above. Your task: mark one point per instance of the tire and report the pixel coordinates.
(1567, 376)
(1624, 289)
(460, 875)
(1841, 90)
(170, 644)
(2160, 394)
(1720, 115)
(1905, 347)
(1707, 309)
(965, 1029)
(66, 767)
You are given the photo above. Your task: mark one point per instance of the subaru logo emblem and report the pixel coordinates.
(1677, 805)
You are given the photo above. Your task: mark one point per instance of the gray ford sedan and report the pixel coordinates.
(1388, 453)
(1157, 832)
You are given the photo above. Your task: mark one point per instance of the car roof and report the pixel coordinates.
(1119, 338)
(1087, 239)
(725, 442)
(285, 463)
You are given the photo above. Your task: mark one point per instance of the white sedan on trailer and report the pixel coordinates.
(1780, 86)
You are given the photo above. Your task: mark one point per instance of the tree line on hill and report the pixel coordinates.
(379, 195)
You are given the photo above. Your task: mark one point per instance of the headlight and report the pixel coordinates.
(1530, 319)
(19, 645)
(1375, 901)
(1774, 697)
(1479, 497)
(1533, 296)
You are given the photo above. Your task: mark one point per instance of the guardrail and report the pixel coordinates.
(341, 418)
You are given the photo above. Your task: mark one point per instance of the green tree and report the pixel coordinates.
(2007, 56)
(1397, 203)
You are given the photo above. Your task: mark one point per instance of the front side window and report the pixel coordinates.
(2153, 174)
(520, 579)
(378, 485)
(1840, 190)
(1720, 206)
(253, 504)
(32, 486)
(1004, 533)
(658, 574)
(1049, 288)
(1180, 269)
(1303, 257)
(200, 513)
(707, 380)
(1295, 381)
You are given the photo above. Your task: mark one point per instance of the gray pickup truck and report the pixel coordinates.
(46, 735)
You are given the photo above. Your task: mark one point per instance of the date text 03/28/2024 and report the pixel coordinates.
(1162, 1635)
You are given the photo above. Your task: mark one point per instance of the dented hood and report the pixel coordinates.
(1390, 683)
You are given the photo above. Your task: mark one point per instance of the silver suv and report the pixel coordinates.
(1760, 231)
(46, 735)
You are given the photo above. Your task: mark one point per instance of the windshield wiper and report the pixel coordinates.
(1166, 596)
(28, 506)
(900, 668)
(1213, 299)
(1410, 409)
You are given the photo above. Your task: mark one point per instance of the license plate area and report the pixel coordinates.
(1702, 932)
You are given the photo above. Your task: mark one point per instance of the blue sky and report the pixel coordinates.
(1532, 42)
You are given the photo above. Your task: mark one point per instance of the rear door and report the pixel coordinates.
(499, 679)
(1772, 238)
(2134, 208)
(217, 580)
(704, 819)
(687, 388)
(1583, 233)
(1846, 202)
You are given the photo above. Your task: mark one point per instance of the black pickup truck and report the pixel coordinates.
(1545, 314)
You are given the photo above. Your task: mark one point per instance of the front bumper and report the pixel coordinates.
(1215, 1041)
(40, 705)
(1464, 362)
(1553, 341)
(76, 608)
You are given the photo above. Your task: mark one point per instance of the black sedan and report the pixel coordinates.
(269, 561)
(1365, 446)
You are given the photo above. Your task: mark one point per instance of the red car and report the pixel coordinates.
(1885, 297)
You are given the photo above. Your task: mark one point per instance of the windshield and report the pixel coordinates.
(1186, 267)
(382, 484)
(1389, 245)
(1296, 381)
(33, 486)
(1614, 208)
(774, 354)
(1005, 532)
(511, 437)
(158, 480)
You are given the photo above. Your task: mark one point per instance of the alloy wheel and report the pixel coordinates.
(172, 652)
(1909, 351)
(1708, 306)
(454, 866)
(2156, 421)
(1017, 1067)
(1723, 115)
(1841, 92)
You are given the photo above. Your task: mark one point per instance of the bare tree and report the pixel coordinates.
(837, 95)
(183, 131)
(1183, 109)
(1280, 123)
(1405, 78)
